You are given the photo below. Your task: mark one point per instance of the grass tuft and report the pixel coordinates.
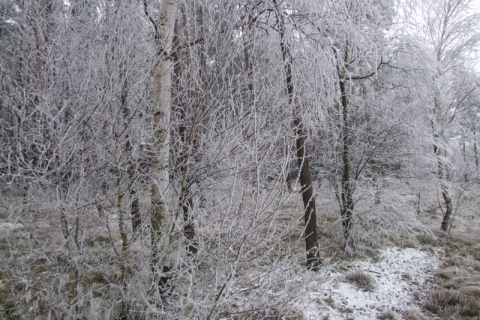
(361, 279)
(387, 315)
(427, 239)
(451, 303)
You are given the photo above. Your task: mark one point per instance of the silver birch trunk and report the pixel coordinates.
(161, 123)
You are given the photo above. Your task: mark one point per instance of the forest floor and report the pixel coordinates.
(381, 286)
(430, 275)
(414, 272)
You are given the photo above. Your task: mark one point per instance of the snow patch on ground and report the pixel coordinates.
(7, 226)
(397, 274)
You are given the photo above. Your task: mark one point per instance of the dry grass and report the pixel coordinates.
(273, 313)
(413, 315)
(387, 315)
(457, 278)
(361, 279)
(417, 295)
(451, 303)
(472, 291)
(407, 276)
(427, 239)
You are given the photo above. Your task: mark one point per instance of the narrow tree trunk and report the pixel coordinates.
(447, 216)
(347, 187)
(135, 217)
(121, 222)
(442, 174)
(310, 217)
(248, 39)
(186, 133)
(376, 197)
(442, 177)
(161, 136)
(464, 154)
(475, 150)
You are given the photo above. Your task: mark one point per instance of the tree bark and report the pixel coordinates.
(161, 135)
(442, 176)
(310, 216)
(248, 41)
(475, 149)
(447, 216)
(187, 130)
(442, 171)
(135, 216)
(348, 187)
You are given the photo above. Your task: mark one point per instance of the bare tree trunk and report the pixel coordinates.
(347, 203)
(310, 216)
(187, 131)
(442, 170)
(442, 175)
(161, 136)
(475, 149)
(135, 217)
(376, 197)
(248, 40)
(464, 154)
(347, 184)
(447, 216)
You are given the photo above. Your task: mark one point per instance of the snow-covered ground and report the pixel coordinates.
(397, 274)
(7, 226)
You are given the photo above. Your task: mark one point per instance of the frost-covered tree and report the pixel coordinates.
(449, 32)
(147, 148)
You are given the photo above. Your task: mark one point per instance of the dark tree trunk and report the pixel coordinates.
(310, 217)
(447, 216)
(135, 216)
(189, 227)
(475, 149)
(134, 204)
(464, 154)
(443, 176)
(347, 203)
(376, 198)
(187, 130)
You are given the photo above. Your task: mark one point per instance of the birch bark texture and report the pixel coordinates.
(161, 125)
